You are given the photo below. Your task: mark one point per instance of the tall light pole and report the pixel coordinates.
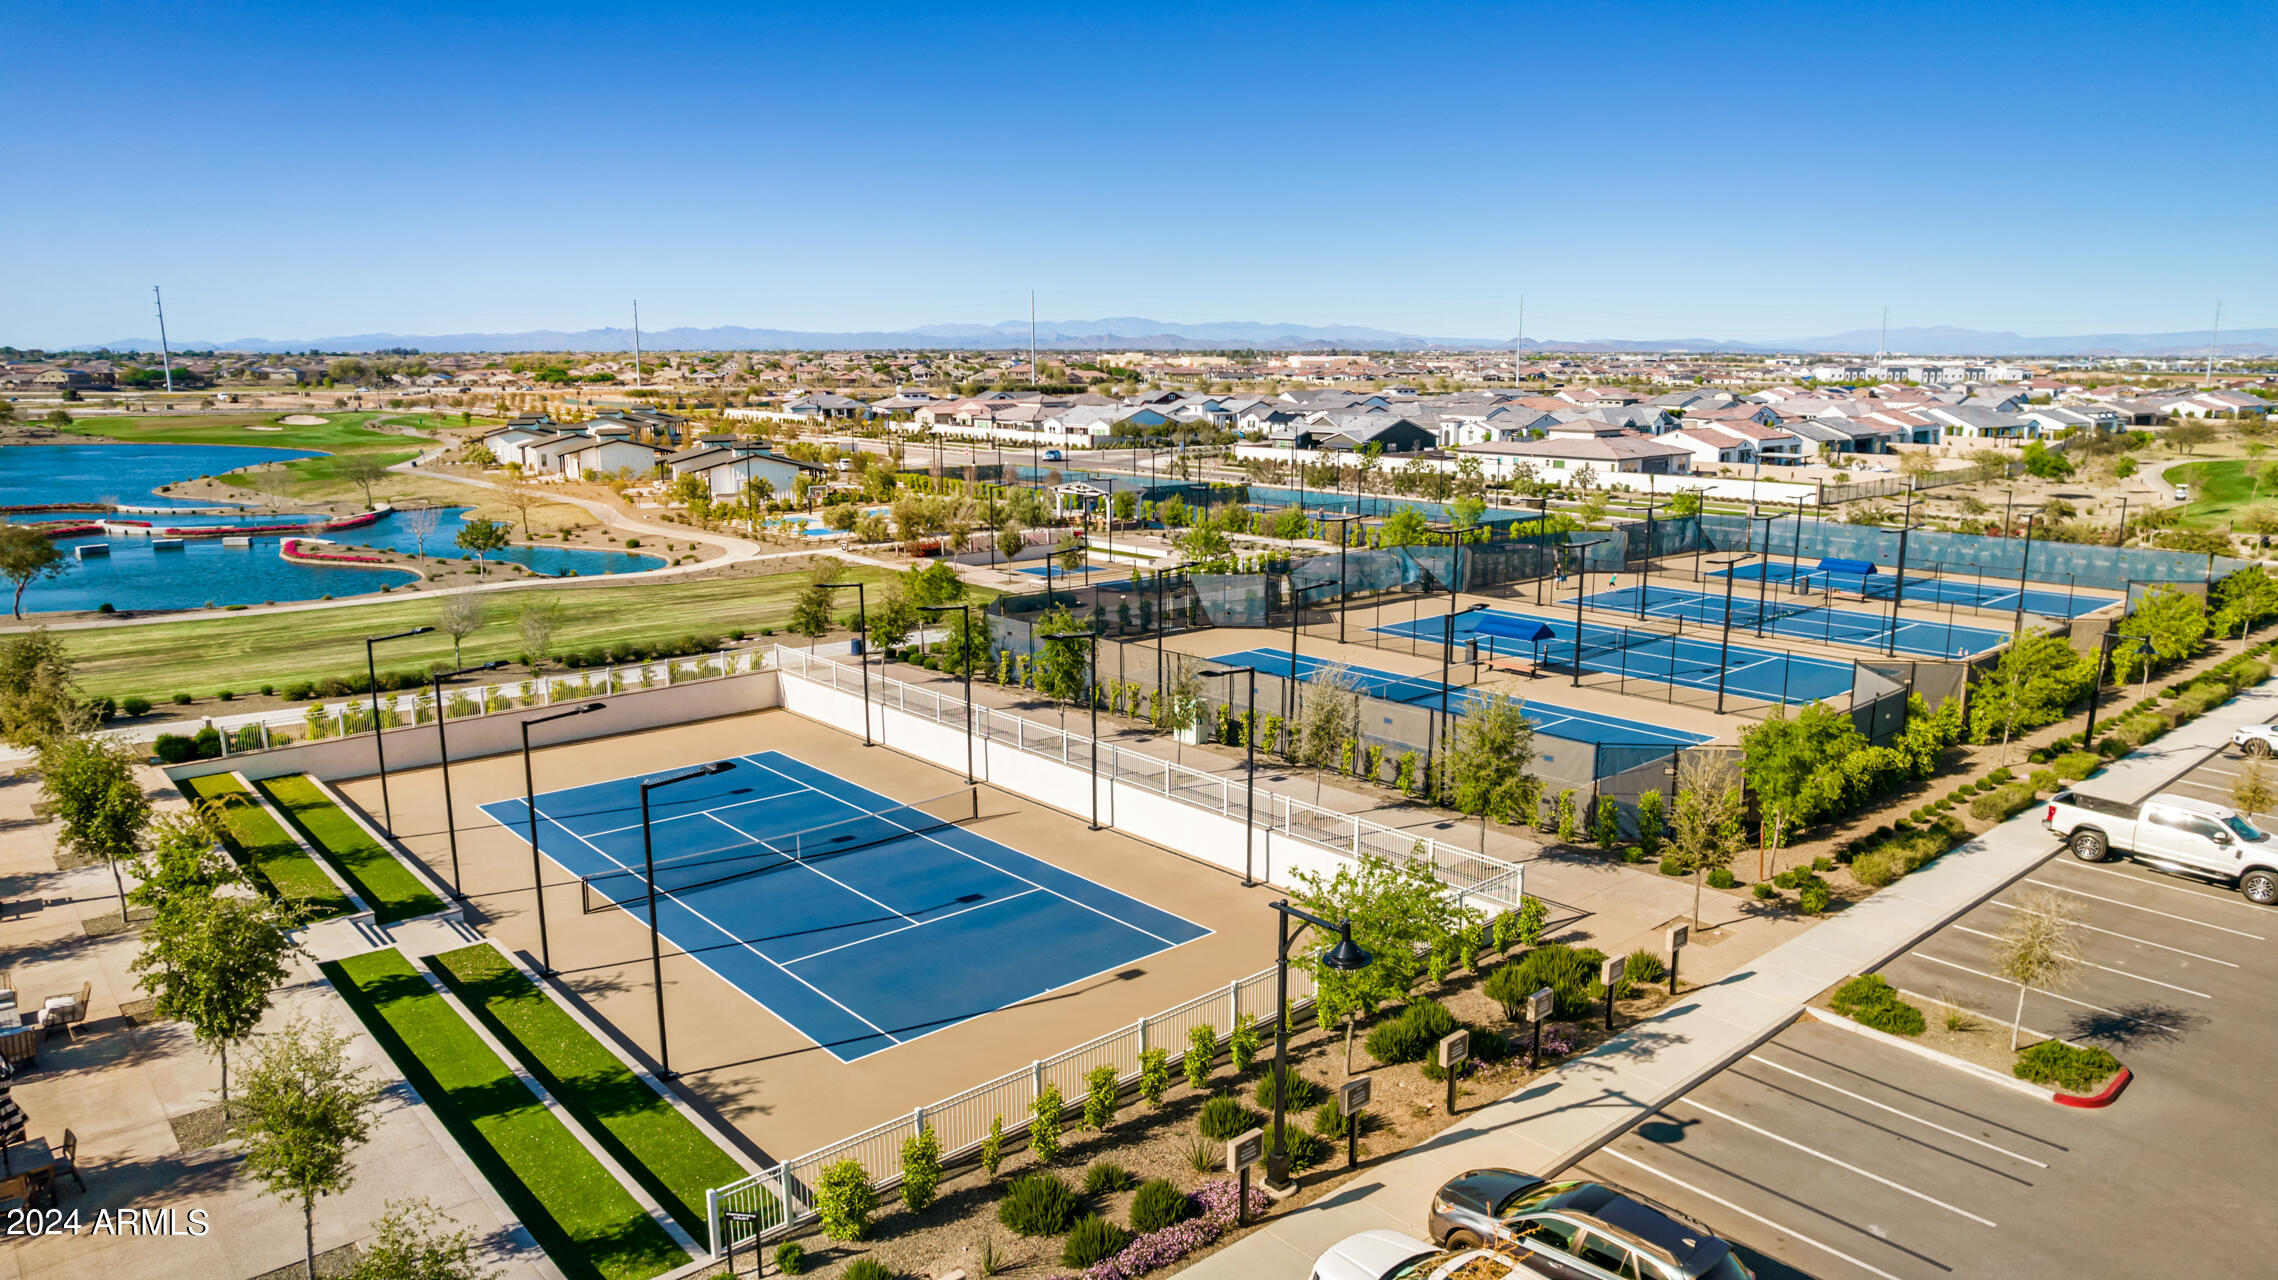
(1728, 564)
(530, 805)
(1344, 586)
(2024, 564)
(1250, 768)
(1345, 957)
(1296, 614)
(372, 686)
(649, 866)
(861, 648)
(1432, 729)
(1580, 552)
(965, 659)
(443, 758)
(1091, 695)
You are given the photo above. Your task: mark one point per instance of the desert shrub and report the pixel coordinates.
(866, 1269)
(1571, 972)
(1044, 1125)
(1106, 1177)
(1301, 1092)
(1159, 1204)
(1223, 1119)
(1038, 1204)
(1093, 1239)
(844, 1200)
(2072, 1068)
(135, 706)
(790, 1258)
(921, 1168)
(2075, 765)
(1411, 1035)
(1869, 1000)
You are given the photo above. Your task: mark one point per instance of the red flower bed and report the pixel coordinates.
(353, 522)
(292, 551)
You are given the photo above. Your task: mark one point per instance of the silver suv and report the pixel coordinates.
(1579, 1230)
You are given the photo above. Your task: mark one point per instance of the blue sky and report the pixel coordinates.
(1640, 170)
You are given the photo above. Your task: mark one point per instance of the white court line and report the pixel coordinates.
(2051, 994)
(1821, 1155)
(700, 813)
(1929, 1124)
(1746, 1213)
(800, 862)
(986, 863)
(1963, 928)
(730, 935)
(2154, 911)
(2163, 883)
(1996, 902)
(913, 924)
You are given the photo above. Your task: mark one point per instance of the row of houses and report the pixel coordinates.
(612, 444)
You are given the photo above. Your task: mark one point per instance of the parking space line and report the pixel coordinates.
(1963, 928)
(2223, 898)
(2051, 994)
(1821, 1155)
(1993, 1018)
(2097, 897)
(2010, 906)
(1790, 1232)
(1930, 1124)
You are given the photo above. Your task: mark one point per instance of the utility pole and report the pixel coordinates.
(1518, 345)
(1032, 337)
(2212, 338)
(164, 356)
(636, 342)
(1882, 343)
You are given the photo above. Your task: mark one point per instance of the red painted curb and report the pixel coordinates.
(2110, 1094)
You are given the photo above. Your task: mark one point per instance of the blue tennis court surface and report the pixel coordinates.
(861, 922)
(1978, 595)
(1664, 659)
(1565, 722)
(1782, 616)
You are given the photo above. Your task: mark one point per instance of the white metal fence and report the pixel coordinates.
(418, 706)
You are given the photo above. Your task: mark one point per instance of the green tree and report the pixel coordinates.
(39, 690)
(1488, 755)
(893, 616)
(413, 1240)
(184, 858)
(1705, 831)
(1329, 715)
(306, 1107)
(537, 620)
(2037, 677)
(90, 785)
(2187, 434)
(1400, 912)
(1012, 539)
(1062, 667)
(1792, 767)
(2046, 463)
(1406, 528)
(479, 538)
(811, 609)
(2175, 621)
(1686, 503)
(362, 470)
(26, 557)
(211, 960)
(461, 616)
(2245, 598)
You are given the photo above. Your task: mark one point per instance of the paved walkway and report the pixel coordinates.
(1571, 1111)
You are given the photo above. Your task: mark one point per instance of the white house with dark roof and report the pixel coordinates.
(1561, 459)
(594, 459)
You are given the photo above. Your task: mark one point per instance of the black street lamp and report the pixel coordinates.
(372, 686)
(443, 759)
(1250, 768)
(1447, 656)
(2024, 563)
(649, 865)
(1344, 525)
(1091, 695)
(2104, 646)
(1729, 564)
(861, 648)
(1345, 957)
(965, 656)
(530, 804)
(1581, 559)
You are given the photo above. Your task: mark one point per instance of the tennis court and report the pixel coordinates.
(1926, 590)
(862, 922)
(1647, 655)
(1782, 616)
(1565, 722)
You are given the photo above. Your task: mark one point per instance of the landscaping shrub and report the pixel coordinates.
(1763, 891)
(1242, 1044)
(790, 1258)
(1038, 1204)
(181, 699)
(2044, 780)
(1106, 1177)
(1813, 898)
(866, 1269)
(174, 748)
(1154, 1075)
(1571, 972)
(1224, 1118)
(921, 1169)
(1159, 1204)
(1823, 863)
(1643, 966)
(1671, 867)
(1328, 1121)
(1870, 1001)
(1101, 1093)
(2075, 765)
(1305, 1149)
(844, 1200)
(134, 706)
(1721, 878)
(2003, 803)
(1093, 1239)
(2072, 1068)
(1411, 1035)
(1201, 1052)
(1302, 1093)
(2000, 776)
(1044, 1125)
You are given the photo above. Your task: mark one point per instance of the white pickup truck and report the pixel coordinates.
(2173, 833)
(2256, 739)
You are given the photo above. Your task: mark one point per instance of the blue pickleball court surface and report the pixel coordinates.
(1782, 616)
(862, 922)
(1924, 590)
(1566, 722)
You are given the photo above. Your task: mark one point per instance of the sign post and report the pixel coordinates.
(1243, 1151)
(1352, 1096)
(1678, 936)
(1610, 973)
(1453, 1050)
(758, 1252)
(1539, 1005)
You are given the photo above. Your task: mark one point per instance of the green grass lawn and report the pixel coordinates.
(2221, 491)
(670, 1156)
(266, 851)
(379, 877)
(584, 1219)
(241, 653)
(339, 435)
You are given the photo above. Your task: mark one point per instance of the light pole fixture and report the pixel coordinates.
(649, 866)
(1729, 564)
(1091, 695)
(443, 760)
(1250, 768)
(1432, 731)
(1344, 525)
(1580, 552)
(530, 805)
(372, 686)
(1296, 614)
(2024, 564)
(861, 648)
(1345, 957)
(965, 660)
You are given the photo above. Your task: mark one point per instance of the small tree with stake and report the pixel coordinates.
(479, 538)
(1705, 833)
(211, 960)
(90, 783)
(2252, 793)
(2038, 947)
(362, 470)
(306, 1109)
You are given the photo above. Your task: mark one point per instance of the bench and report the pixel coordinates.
(1516, 666)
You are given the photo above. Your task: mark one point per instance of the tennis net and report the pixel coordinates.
(755, 855)
(1598, 641)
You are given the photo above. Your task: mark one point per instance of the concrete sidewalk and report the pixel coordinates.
(1568, 1113)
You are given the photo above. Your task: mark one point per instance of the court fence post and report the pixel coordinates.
(917, 1122)
(712, 1219)
(1036, 1080)
(1233, 1002)
(1141, 1026)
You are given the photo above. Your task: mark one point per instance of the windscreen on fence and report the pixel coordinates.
(2080, 564)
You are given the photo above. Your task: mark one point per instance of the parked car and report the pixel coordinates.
(1579, 1230)
(2256, 739)
(2173, 833)
(1053, 455)
(1377, 1255)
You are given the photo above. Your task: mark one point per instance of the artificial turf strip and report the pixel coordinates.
(581, 1216)
(266, 851)
(379, 878)
(670, 1157)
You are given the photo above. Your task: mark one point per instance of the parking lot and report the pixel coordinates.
(1825, 1153)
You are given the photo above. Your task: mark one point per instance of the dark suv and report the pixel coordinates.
(1579, 1230)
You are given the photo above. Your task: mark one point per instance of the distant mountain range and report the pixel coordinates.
(1134, 333)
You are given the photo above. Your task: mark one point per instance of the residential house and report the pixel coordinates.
(599, 458)
(1713, 445)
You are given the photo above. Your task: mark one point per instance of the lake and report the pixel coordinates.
(126, 474)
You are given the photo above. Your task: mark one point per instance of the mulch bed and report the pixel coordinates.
(206, 1127)
(332, 1262)
(107, 924)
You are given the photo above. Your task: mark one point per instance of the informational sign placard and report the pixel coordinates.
(1245, 1150)
(1540, 1004)
(1352, 1095)
(1456, 1047)
(1678, 936)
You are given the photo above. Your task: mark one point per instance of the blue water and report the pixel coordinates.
(121, 473)
(393, 533)
(160, 520)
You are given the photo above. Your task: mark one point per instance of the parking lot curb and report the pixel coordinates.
(1901, 1042)
(2104, 1098)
